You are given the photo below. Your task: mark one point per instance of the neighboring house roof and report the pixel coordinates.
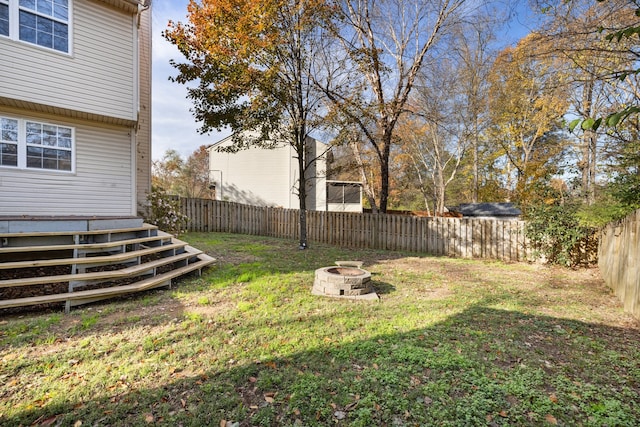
(487, 209)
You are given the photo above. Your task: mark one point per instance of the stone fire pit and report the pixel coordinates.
(344, 280)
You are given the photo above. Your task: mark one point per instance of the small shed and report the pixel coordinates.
(504, 211)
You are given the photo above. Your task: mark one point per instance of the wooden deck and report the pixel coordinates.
(102, 258)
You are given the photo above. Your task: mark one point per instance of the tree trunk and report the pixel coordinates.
(301, 151)
(384, 170)
(589, 140)
(476, 185)
(366, 185)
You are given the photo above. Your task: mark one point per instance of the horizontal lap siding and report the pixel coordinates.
(97, 78)
(101, 186)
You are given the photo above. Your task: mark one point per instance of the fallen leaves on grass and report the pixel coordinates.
(551, 419)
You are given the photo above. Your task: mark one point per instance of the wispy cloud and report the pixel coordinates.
(173, 124)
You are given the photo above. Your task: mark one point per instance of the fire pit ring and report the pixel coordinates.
(344, 280)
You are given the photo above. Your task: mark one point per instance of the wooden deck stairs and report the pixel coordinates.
(79, 267)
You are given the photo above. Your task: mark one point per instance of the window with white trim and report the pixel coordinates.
(27, 144)
(41, 22)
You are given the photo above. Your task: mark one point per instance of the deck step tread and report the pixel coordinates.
(143, 227)
(102, 245)
(97, 275)
(115, 258)
(142, 285)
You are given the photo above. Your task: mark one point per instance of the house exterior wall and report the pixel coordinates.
(143, 130)
(102, 89)
(96, 77)
(255, 176)
(100, 186)
(265, 177)
(317, 177)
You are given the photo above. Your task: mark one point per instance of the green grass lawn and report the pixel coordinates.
(450, 342)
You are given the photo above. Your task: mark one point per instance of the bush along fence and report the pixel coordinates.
(456, 237)
(619, 260)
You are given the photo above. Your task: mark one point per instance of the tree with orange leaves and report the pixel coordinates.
(250, 63)
(528, 101)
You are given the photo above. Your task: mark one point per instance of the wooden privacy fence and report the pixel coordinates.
(619, 260)
(469, 238)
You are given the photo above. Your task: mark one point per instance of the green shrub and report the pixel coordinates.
(164, 211)
(556, 233)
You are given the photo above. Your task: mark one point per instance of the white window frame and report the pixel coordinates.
(14, 25)
(23, 144)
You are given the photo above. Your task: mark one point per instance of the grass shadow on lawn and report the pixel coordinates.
(480, 366)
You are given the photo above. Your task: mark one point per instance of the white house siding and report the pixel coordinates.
(257, 177)
(267, 177)
(100, 186)
(317, 177)
(98, 77)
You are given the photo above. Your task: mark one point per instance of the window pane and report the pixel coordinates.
(27, 27)
(31, 4)
(9, 124)
(61, 11)
(34, 127)
(34, 138)
(50, 141)
(60, 44)
(334, 193)
(64, 132)
(9, 135)
(4, 19)
(9, 130)
(44, 25)
(43, 31)
(34, 133)
(60, 30)
(352, 194)
(44, 39)
(27, 19)
(45, 7)
(34, 151)
(34, 157)
(28, 34)
(64, 142)
(8, 154)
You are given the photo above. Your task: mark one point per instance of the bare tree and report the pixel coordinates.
(374, 52)
(573, 35)
(438, 139)
(474, 57)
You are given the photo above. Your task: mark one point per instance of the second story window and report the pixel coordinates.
(45, 23)
(41, 22)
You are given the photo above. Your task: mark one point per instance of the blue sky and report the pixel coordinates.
(173, 124)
